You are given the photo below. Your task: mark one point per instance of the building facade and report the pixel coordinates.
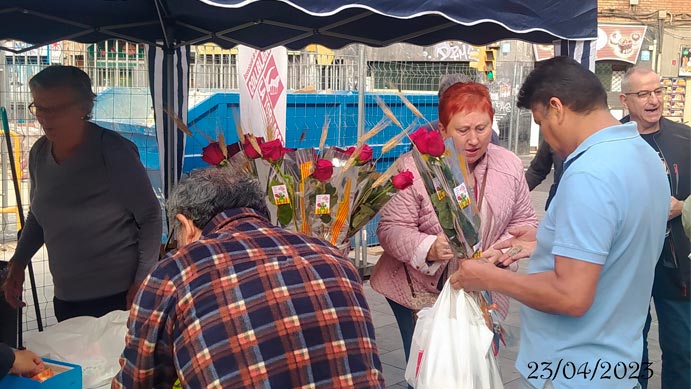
(665, 47)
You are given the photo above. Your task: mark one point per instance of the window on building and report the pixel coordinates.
(21, 59)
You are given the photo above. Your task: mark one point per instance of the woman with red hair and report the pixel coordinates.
(415, 262)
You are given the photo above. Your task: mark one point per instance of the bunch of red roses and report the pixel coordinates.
(253, 148)
(332, 195)
(348, 193)
(280, 187)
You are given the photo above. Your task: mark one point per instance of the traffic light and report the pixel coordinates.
(490, 61)
(477, 58)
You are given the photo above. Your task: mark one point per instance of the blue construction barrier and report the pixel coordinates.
(305, 113)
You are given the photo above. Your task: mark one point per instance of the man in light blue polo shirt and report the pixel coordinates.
(589, 278)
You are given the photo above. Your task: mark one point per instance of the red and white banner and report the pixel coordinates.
(263, 90)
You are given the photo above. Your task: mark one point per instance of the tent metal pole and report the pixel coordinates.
(171, 143)
(360, 246)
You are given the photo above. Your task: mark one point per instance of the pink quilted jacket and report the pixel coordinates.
(408, 219)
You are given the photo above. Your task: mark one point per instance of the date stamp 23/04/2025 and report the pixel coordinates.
(600, 370)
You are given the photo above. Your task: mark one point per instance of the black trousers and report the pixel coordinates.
(98, 307)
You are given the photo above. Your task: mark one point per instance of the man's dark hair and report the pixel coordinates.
(562, 77)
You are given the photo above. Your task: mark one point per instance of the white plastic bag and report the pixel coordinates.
(417, 344)
(455, 346)
(93, 343)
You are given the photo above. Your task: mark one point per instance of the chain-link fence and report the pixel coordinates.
(415, 76)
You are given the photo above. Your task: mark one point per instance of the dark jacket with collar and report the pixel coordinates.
(673, 272)
(541, 166)
(6, 359)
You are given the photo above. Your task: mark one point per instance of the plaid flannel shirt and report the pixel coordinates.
(250, 305)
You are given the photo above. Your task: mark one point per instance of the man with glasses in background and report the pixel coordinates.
(642, 94)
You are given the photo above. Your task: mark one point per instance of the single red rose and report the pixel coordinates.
(272, 151)
(365, 154)
(402, 180)
(418, 139)
(323, 170)
(249, 150)
(212, 154)
(434, 144)
(233, 149)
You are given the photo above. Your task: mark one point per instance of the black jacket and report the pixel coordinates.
(673, 271)
(540, 167)
(6, 359)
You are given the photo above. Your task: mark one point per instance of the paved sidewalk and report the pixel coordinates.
(391, 346)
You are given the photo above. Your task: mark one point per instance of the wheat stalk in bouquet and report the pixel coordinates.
(299, 164)
(218, 152)
(396, 140)
(362, 142)
(409, 105)
(182, 126)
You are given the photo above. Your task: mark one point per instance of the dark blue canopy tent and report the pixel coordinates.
(169, 26)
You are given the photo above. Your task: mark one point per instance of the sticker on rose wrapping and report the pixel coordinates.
(461, 194)
(323, 206)
(437, 187)
(477, 251)
(280, 193)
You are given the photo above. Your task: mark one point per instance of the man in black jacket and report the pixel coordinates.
(643, 95)
(540, 167)
(20, 362)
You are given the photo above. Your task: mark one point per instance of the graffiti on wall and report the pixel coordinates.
(449, 51)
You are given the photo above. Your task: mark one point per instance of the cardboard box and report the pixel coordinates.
(67, 376)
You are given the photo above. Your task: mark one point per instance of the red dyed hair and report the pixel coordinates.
(464, 97)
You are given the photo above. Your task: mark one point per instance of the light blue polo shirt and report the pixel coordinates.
(610, 209)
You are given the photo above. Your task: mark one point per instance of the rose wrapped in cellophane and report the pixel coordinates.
(448, 190)
(446, 177)
(459, 185)
(329, 194)
(280, 188)
(377, 190)
(244, 157)
(361, 159)
(299, 164)
(458, 167)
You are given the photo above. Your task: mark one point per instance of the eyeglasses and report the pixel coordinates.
(49, 111)
(645, 94)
